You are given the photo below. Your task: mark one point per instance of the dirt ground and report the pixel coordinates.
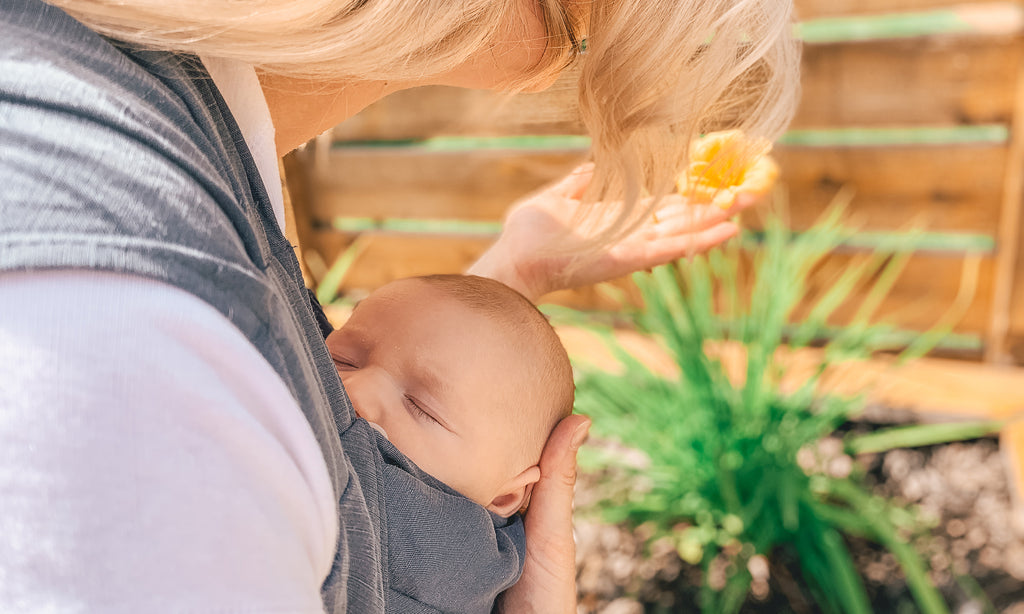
(975, 547)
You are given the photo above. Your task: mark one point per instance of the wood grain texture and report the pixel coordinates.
(1015, 342)
(442, 110)
(916, 82)
(813, 9)
(404, 183)
(930, 81)
(924, 295)
(1011, 445)
(927, 288)
(1011, 220)
(941, 187)
(944, 188)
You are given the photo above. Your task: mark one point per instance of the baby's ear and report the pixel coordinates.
(515, 493)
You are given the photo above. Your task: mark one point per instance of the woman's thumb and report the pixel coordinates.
(558, 461)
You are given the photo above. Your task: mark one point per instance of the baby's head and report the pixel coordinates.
(464, 375)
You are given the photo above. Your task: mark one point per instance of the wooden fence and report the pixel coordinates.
(917, 105)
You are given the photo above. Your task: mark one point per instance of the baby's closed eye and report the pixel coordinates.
(414, 407)
(343, 364)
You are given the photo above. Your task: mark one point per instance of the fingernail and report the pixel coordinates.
(580, 435)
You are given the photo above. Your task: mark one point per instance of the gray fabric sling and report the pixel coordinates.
(118, 159)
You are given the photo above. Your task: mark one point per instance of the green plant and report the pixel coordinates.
(327, 290)
(736, 466)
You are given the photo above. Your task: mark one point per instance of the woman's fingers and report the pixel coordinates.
(686, 219)
(654, 247)
(667, 249)
(558, 470)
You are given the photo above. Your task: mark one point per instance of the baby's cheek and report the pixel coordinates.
(441, 459)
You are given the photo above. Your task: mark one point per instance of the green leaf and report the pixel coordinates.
(920, 435)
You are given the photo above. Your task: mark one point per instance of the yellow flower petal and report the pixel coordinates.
(724, 164)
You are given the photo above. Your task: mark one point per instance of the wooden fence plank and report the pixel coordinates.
(813, 9)
(934, 389)
(1009, 235)
(927, 288)
(939, 82)
(296, 188)
(920, 82)
(946, 188)
(434, 110)
(469, 185)
(943, 187)
(925, 293)
(1011, 445)
(1015, 334)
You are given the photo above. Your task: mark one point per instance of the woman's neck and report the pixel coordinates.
(302, 109)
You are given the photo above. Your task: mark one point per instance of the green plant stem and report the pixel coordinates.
(849, 586)
(925, 593)
(727, 483)
(920, 435)
(327, 291)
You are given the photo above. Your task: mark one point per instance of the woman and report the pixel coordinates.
(169, 414)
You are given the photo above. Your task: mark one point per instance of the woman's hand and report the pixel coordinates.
(522, 258)
(548, 583)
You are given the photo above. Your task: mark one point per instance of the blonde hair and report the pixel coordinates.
(329, 39)
(659, 73)
(656, 73)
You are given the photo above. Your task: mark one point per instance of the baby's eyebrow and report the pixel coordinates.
(431, 379)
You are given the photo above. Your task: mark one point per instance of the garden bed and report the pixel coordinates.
(976, 545)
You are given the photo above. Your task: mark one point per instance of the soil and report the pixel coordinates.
(975, 547)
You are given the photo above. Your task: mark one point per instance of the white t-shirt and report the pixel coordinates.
(150, 458)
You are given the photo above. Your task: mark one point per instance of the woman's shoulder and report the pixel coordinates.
(67, 79)
(132, 141)
(48, 57)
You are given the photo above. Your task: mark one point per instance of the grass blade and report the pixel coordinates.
(920, 435)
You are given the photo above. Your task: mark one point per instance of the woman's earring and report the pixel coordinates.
(582, 47)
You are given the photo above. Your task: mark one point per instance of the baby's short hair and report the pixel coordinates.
(554, 389)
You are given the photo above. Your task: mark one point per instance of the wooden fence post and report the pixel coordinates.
(298, 208)
(1009, 231)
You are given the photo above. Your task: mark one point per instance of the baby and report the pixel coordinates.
(466, 379)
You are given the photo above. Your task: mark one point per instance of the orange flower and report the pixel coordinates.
(725, 164)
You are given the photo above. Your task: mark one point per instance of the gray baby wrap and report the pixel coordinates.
(117, 159)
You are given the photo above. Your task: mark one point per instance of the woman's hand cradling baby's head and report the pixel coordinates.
(548, 584)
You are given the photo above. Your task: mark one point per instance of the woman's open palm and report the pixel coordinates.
(540, 239)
